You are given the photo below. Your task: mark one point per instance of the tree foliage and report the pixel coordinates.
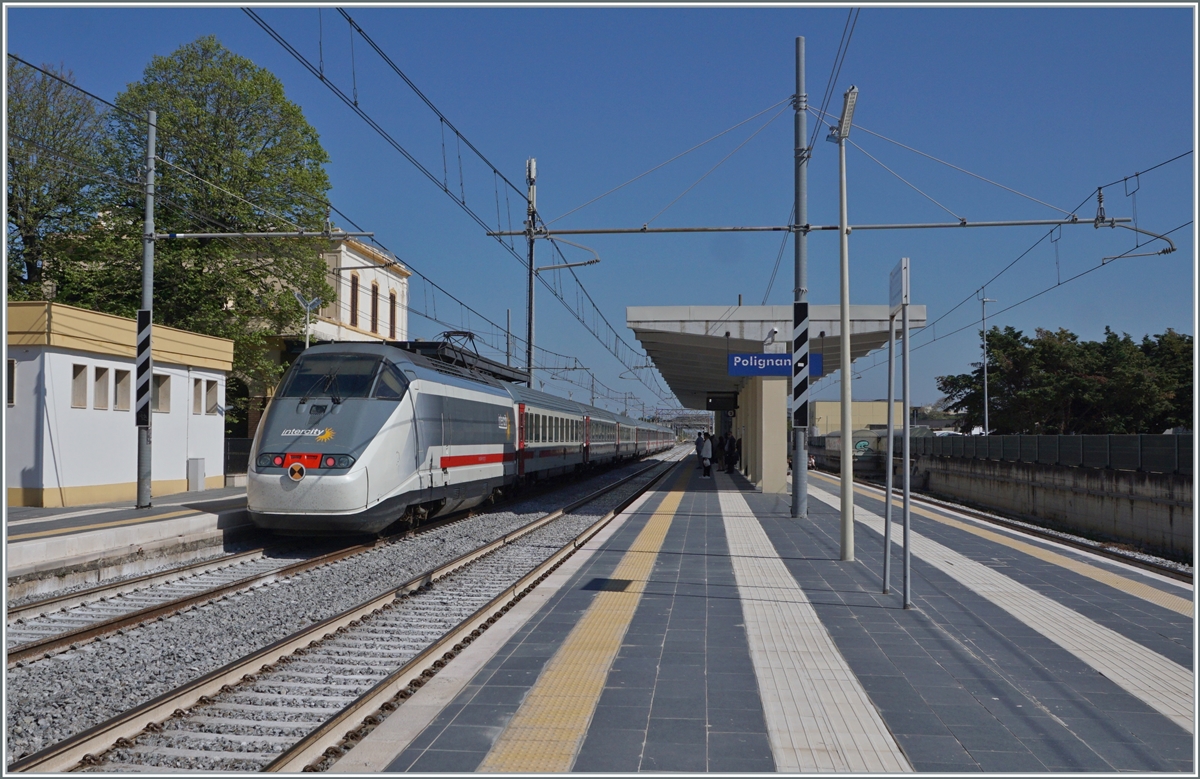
(54, 135)
(1056, 384)
(233, 155)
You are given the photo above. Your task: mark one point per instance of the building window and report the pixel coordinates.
(100, 391)
(121, 379)
(374, 307)
(160, 393)
(210, 398)
(392, 316)
(11, 383)
(79, 386)
(353, 300)
(197, 396)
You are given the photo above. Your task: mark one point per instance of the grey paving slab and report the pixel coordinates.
(966, 665)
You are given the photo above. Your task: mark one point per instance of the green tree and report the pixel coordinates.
(1056, 384)
(234, 155)
(54, 133)
(1172, 356)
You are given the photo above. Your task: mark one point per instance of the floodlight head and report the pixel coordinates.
(848, 102)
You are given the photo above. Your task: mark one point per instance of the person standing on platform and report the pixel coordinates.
(730, 454)
(719, 452)
(706, 453)
(737, 453)
(699, 446)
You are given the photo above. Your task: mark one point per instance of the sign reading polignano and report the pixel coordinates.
(760, 365)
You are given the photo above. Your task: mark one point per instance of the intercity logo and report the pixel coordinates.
(320, 433)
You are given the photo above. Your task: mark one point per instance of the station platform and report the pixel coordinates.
(48, 548)
(705, 630)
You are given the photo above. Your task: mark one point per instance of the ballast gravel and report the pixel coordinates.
(54, 698)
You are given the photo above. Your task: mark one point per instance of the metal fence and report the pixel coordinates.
(237, 455)
(1147, 453)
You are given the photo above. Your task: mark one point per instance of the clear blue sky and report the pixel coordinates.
(1051, 102)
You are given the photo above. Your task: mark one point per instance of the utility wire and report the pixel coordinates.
(143, 119)
(779, 257)
(1050, 288)
(404, 152)
(834, 72)
(906, 181)
(668, 162)
(218, 187)
(736, 149)
(955, 167)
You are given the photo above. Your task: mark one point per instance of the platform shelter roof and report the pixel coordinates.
(689, 344)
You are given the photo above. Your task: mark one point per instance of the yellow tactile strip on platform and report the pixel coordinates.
(1124, 584)
(818, 715)
(1162, 684)
(547, 730)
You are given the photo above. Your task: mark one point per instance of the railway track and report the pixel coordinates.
(1094, 547)
(34, 631)
(39, 629)
(287, 706)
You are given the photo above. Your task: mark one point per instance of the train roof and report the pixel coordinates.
(434, 369)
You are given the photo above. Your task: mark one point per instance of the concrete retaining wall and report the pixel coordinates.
(1150, 511)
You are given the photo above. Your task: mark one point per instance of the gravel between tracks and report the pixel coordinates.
(54, 698)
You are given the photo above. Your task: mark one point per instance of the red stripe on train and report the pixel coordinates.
(459, 460)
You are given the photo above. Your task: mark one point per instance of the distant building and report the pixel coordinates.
(371, 296)
(69, 391)
(370, 303)
(825, 416)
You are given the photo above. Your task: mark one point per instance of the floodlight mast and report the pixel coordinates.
(839, 135)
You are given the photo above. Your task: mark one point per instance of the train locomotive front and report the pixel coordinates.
(356, 438)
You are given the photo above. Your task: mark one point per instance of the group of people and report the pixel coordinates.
(726, 451)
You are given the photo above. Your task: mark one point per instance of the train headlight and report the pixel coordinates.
(337, 461)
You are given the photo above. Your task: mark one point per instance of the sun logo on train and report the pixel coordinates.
(326, 436)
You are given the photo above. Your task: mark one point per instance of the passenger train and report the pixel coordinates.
(362, 435)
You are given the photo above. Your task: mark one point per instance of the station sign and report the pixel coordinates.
(760, 365)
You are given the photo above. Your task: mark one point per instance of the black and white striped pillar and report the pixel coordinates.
(143, 371)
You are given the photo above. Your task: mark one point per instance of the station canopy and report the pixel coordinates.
(689, 345)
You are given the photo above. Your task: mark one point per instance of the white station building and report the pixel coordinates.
(69, 427)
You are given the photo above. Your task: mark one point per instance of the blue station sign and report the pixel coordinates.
(760, 365)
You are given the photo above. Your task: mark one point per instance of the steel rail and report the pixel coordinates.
(98, 629)
(83, 748)
(125, 586)
(329, 741)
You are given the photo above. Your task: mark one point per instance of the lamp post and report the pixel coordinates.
(309, 306)
(838, 135)
(987, 430)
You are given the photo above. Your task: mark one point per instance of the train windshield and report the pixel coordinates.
(336, 376)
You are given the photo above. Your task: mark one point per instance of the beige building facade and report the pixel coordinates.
(69, 431)
(825, 416)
